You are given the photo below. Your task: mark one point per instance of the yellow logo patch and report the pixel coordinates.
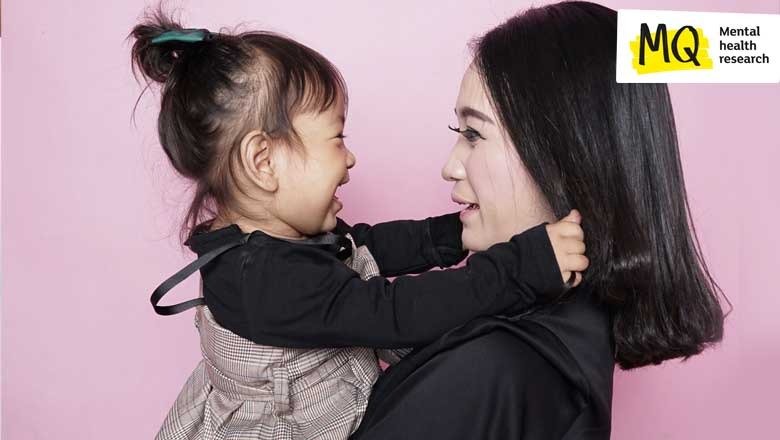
(685, 48)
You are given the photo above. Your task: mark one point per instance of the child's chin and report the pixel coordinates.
(330, 223)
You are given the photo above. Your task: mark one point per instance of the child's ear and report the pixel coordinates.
(256, 160)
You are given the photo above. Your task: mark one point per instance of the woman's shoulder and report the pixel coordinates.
(578, 341)
(583, 325)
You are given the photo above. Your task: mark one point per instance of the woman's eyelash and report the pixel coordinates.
(469, 133)
(341, 136)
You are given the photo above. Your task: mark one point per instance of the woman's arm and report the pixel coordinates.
(410, 246)
(299, 296)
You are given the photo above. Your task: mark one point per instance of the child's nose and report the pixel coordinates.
(350, 159)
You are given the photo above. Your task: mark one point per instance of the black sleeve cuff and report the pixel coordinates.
(445, 234)
(539, 262)
(341, 227)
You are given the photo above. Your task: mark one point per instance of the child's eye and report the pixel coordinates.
(340, 138)
(469, 133)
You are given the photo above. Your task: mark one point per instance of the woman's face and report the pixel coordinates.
(500, 197)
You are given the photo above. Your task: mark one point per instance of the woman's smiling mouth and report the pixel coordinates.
(471, 207)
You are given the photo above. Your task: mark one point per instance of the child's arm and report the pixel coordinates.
(403, 247)
(299, 296)
(410, 246)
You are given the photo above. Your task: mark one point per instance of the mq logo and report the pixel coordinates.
(688, 49)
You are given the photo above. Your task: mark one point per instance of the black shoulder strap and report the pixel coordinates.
(183, 274)
(337, 244)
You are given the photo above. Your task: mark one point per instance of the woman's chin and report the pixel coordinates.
(472, 240)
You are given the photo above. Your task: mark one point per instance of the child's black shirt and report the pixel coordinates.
(289, 294)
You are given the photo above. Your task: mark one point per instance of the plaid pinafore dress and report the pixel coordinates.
(243, 390)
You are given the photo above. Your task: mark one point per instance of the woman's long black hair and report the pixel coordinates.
(609, 150)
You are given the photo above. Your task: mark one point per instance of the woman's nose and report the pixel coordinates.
(453, 170)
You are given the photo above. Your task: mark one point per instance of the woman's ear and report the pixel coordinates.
(256, 160)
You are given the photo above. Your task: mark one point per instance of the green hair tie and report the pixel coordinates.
(183, 36)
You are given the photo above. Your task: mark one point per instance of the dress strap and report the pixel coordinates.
(336, 244)
(184, 273)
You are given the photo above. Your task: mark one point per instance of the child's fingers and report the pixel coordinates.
(576, 263)
(573, 246)
(577, 280)
(571, 279)
(573, 216)
(570, 230)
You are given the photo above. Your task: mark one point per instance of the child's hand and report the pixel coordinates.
(568, 242)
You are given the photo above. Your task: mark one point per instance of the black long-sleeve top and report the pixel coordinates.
(285, 293)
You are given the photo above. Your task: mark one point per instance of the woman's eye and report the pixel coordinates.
(469, 133)
(472, 135)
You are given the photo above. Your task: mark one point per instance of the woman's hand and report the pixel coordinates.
(568, 242)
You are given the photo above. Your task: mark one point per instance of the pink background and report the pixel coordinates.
(90, 208)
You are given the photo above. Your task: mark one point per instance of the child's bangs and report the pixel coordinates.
(315, 87)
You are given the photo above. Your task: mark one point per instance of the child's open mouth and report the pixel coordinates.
(337, 203)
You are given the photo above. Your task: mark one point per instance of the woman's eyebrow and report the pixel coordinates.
(465, 112)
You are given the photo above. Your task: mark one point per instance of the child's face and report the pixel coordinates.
(306, 200)
(502, 198)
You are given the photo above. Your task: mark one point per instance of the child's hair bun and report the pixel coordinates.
(156, 61)
(218, 87)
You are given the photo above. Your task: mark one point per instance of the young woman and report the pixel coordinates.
(543, 127)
